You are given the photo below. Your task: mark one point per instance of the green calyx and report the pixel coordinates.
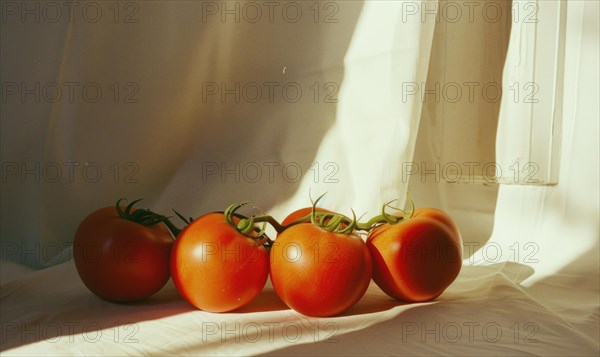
(332, 222)
(146, 217)
(338, 223)
(385, 217)
(247, 225)
(141, 216)
(185, 220)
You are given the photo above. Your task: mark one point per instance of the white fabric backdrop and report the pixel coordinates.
(548, 305)
(178, 145)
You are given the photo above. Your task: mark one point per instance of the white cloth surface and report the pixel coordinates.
(485, 312)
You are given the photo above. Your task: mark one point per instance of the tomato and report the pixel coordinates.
(120, 260)
(418, 258)
(215, 267)
(319, 273)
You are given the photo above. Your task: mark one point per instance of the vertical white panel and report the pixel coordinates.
(530, 130)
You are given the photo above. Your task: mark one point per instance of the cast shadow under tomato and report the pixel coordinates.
(471, 301)
(53, 302)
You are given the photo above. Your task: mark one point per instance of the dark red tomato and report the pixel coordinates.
(120, 260)
(416, 259)
(216, 268)
(302, 212)
(319, 273)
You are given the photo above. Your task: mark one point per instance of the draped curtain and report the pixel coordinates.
(197, 105)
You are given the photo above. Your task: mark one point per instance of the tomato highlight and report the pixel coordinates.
(319, 272)
(417, 258)
(215, 267)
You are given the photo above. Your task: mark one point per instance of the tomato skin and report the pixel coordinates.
(319, 273)
(119, 260)
(216, 268)
(416, 259)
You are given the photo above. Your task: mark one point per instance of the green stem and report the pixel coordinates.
(369, 224)
(144, 217)
(332, 222)
(247, 225)
(273, 222)
(173, 228)
(386, 218)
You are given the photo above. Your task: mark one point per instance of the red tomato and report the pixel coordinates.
(416, 259)
(120, 260)
(319, 273)
(216, 268)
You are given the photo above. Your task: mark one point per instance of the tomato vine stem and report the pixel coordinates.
(332, 222)
(385, 217)
(246, 225)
